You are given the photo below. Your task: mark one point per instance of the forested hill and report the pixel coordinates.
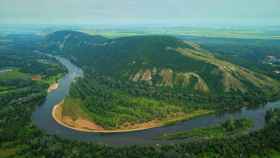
(62, 41)
(160, 61)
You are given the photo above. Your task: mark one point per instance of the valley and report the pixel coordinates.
(139, 79)
(189, 93)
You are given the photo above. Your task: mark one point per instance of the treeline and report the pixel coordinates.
(175, 95)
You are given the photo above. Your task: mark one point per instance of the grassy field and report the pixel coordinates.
(74, 109)
(14, 74)
(9, 152)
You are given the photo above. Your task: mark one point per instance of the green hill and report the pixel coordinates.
(163, 69)
(62, 41)
(159, 61)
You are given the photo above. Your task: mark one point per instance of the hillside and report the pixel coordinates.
(142, 78)
(62, 41)
(159, 61)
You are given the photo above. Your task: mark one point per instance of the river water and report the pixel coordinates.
(42, 117)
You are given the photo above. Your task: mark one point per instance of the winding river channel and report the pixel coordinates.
(42, 117)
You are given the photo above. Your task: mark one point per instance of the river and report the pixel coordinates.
(42, 117)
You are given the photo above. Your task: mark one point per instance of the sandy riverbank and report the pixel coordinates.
(53, 87)
(85, 125)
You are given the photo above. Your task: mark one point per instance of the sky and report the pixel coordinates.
(168, 12)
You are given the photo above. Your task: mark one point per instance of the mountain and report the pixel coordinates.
(161, 61)
(148, 81)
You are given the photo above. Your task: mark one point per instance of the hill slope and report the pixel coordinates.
(146, 78)
(159, 61)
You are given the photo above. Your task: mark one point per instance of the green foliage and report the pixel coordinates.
(14, 74)
(228, 128)
(19, 138)
(216, 82)
(111, 108)
(25, 65)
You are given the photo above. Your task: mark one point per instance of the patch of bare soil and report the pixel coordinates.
(36, 77)
(53, 87)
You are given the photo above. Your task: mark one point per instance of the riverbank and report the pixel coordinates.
(85, 125)
(229, 128)
(53, 87)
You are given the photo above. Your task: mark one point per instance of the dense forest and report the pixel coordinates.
(19, 138)
(24, 79)
(127, 79)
